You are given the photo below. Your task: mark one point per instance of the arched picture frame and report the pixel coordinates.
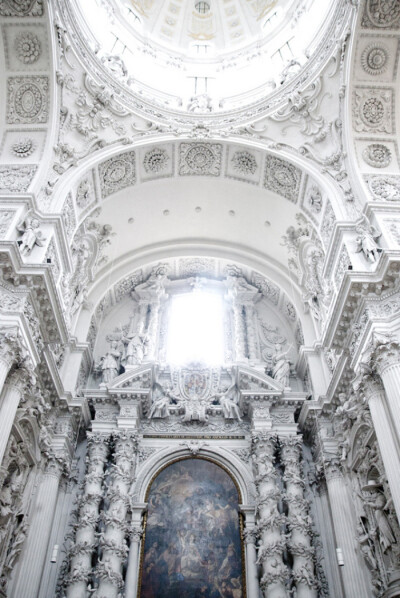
(193, 545)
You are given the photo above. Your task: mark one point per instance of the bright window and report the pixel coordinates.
(195, 329)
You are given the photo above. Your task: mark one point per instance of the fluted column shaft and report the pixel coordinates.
(354, 582)
(388, 365)
(11, 396)
(375, 394)
(10, 348)
(239, 332)
(34, 553)
(269, 520)
(152, 329)
(85, 538)
(114, 547)
(299, 520)
(250, 539)
(136, 533)
(251, 333)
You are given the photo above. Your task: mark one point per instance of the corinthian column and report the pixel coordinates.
(135, 536)
(239, 331)
(386, 359)
(34, 553)
(374, 392)
(269, 520)
(354, 581)
(112, 542)
(299, 521)
(13, 391)
(9, 350)
(250, 541)
(88, 508)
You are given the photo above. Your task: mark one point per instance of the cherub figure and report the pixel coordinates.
(31, 235)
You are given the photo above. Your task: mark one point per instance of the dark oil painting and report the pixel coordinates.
(192, 545)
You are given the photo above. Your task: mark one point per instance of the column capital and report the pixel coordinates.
(57, 464)
(136, 533)
(263, 441)
(291, 446)
(333, 469)
(386, 354)
(10, 344)
(21, 377)
(369, 384)
(250, 535)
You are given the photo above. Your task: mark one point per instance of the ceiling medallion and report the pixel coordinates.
(200, 158)
(244, 162)
(282, 178)
(155, 160)
(374, 59)
(373, 111)
(23, 147)
(377, 155)
(27, 47)
(383, 13)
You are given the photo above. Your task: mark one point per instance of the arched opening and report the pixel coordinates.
(193, 544)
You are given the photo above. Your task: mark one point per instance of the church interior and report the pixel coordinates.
(199, 299)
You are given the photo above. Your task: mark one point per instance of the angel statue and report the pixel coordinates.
(228, 399)
(367, 240)
(281, 365)
(31, 235)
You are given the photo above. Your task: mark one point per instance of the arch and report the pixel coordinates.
(222, 457)
(202, 547)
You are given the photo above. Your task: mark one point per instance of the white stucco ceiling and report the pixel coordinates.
(201, 210)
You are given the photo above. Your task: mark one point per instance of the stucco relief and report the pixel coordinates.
(27, 100)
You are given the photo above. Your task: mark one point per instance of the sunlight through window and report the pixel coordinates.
(195, 330)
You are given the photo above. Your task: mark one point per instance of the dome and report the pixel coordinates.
(220, 55)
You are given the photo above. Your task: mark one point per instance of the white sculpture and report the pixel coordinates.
(110, 363)
(228, 399)
(161, 400)
(281, 365)
(367, 240)
(135, 347)
(31, 234)
(379, 505)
